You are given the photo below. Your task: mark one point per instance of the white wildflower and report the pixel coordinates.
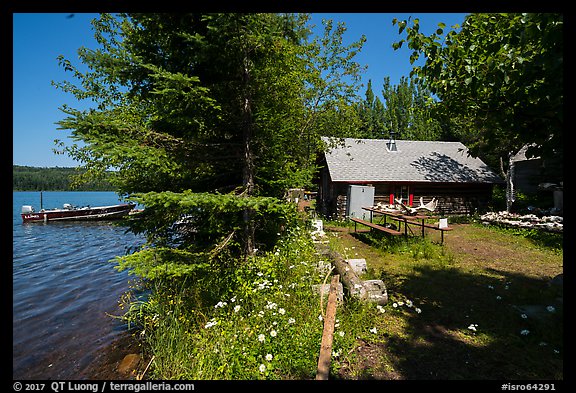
(473, 326)
(341, 333)
(373, 330)
(381, 309)
(210, 324)
(498, 297)
(335, 354)
(220, 304)
(524, 316)
(417, 310)
(273, 333)
(394, 304)
(550, 309)
(261, 338)
(237, 308)
(262, 368)
(269, 357)
(281, 311)
(525, 332)
(291, 320)
(320, 318)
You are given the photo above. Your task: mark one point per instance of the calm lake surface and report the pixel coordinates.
(65, 287)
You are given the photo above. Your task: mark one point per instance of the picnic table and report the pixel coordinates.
(416, 220)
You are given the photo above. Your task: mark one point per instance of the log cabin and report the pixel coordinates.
(406, 170)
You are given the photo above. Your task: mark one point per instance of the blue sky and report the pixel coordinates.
(39, 38)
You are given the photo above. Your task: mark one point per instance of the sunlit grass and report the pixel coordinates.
(469, 318)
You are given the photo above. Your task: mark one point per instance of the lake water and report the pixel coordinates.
(64, 287)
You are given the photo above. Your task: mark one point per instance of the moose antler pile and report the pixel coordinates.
(430, 206)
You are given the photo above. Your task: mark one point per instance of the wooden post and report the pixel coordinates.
(423, 228)
(328, 333)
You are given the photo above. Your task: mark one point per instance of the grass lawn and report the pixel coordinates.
(480, 306)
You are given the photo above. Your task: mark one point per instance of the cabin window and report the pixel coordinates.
(402, 191)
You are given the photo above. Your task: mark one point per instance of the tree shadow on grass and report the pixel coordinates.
(470, 328)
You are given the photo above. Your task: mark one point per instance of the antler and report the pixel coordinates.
(430, 206)
(408, 209)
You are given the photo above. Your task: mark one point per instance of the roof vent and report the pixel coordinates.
(391, 144)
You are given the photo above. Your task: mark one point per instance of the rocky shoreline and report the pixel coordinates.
(121, 360)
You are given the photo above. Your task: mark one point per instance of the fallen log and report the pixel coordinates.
(372, 290)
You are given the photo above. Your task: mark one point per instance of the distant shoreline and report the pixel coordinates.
(28, 178)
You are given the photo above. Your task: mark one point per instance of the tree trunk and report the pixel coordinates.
(248, 170)
(510, 191)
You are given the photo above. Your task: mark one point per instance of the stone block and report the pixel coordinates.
(317, 225)
(358, 265)
(326, 290)
(376, 291)
(323, 267)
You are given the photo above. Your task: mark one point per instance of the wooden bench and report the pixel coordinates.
(375, 226)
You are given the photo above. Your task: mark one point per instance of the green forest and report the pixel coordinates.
(28, 178)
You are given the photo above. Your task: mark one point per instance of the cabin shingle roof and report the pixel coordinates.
(369, 160)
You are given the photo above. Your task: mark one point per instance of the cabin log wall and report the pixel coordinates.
(453, 199)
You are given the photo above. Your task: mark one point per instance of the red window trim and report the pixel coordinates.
(410, 195)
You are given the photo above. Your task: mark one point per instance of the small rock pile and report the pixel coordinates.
(530, 221)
